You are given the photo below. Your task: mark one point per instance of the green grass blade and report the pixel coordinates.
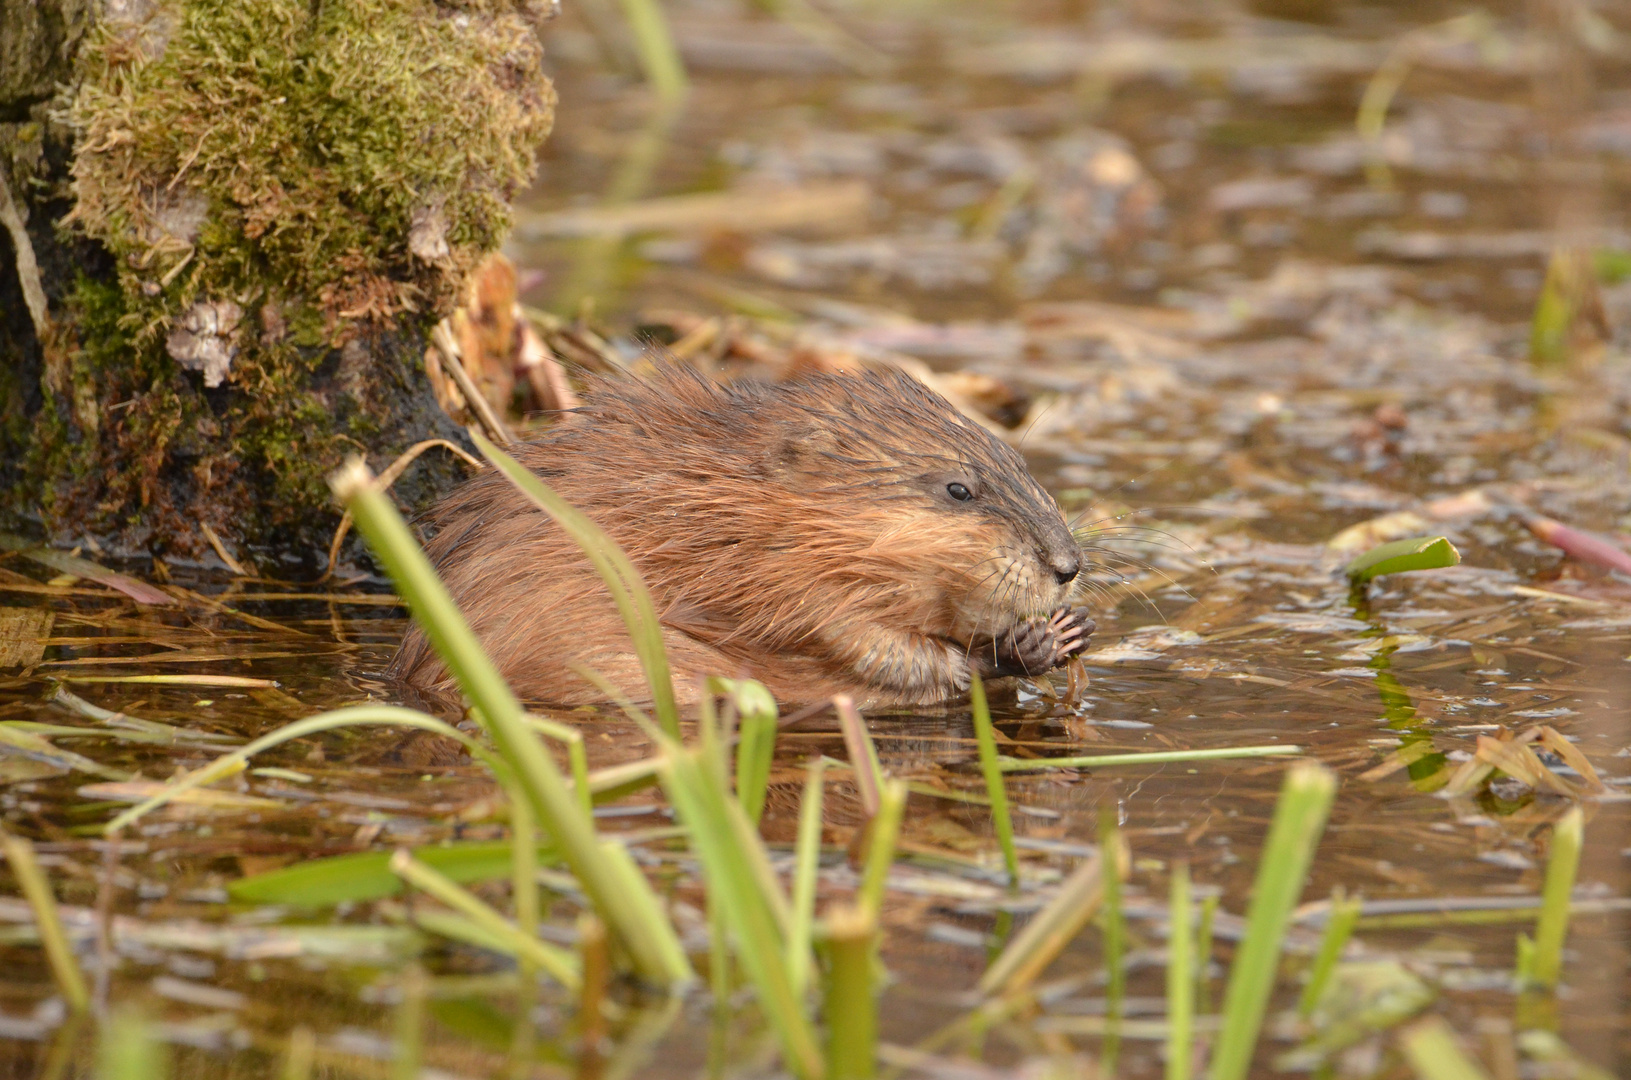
(128, 1050)
(851, 1001)
(1299, 820)
(1115, 941)
(755, 748)
(880, 853)
(559, 964)
(1049, 931)
(659, 58)
(1433, 1053)
(1562, 864)
(42, 903)
(647, 908)
(353, 716)
(622, 580)
(734, 883)
(1416, 553)
(1153, 757)
(806, 868)
(555, 806)
(1203, 954)
(408, 1046)
(577, 756)
(1180, 976)
(366, 875)
(300, 1054)
(1339, 927)
(524, 867)
(995, 789)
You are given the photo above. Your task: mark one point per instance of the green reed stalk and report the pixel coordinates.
(994, 787)
(659, 57)
(300, 1054)
(1433, 1053)
(651, 946)
(752, 908)
(524, 867)
(755, 747)
(352, 716)
(53, 938)
(1154, 757)
(1562, 864)
(1203, 954)
(1180, 976)
(1339, 927)
(806, 868)
(880, 853)
(559, 964)
(863, 756)
(1049, 931)
(1299, 820)
(127, 1050)
(622, 580)
(851, 1002)
(408, 1042)
(1115, 941)
(577, 756)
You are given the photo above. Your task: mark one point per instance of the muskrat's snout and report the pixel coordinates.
(1058, 551)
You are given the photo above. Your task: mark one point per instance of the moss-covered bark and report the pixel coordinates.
(246, 216)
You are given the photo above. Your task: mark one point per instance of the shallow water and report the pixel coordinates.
(1293, 350)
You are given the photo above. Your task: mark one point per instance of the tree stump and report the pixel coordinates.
(226, 230)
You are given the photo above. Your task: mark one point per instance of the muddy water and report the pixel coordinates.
(1218, 338)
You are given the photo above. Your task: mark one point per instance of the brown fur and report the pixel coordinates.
(801, 534)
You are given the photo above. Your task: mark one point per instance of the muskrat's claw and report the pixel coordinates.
(1071, 628)
(1039, 645)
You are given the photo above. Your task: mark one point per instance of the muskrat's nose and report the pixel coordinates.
(1065, 567)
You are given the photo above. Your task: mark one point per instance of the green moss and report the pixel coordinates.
(290, 142)
(332, 169)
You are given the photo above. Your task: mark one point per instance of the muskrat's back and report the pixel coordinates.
(835, 533)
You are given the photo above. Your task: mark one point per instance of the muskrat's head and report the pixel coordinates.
(930, 499)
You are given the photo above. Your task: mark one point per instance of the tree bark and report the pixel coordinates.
(226, 230)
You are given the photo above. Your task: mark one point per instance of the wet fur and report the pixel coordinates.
(798, 533)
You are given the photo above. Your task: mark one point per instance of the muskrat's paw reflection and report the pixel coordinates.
(1042, 644)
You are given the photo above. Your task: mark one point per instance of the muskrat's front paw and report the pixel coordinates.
(1039, 645)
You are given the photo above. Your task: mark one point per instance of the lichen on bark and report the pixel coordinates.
(291, 191)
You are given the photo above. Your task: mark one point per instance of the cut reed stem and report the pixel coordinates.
(851, 1004)
(1180, 976)
(1299, 820)
(1562, 864)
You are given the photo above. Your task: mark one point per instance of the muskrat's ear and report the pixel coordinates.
(802, 448)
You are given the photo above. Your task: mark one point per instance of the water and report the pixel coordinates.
(1292, 350)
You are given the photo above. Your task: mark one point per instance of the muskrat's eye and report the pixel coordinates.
(959, 492)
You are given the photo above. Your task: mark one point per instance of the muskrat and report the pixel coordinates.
(834, 533)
